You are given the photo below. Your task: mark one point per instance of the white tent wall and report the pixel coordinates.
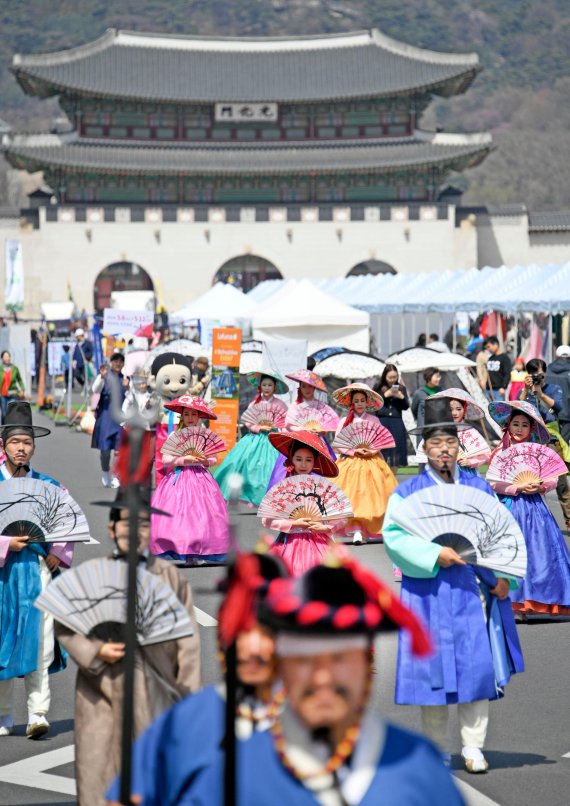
(392, 332)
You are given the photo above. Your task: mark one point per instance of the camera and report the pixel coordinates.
(538, 378)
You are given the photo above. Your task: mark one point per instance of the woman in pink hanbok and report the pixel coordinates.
(302, 543)
(198, 531)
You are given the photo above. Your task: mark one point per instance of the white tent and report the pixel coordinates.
(222, 302)
(300, 310)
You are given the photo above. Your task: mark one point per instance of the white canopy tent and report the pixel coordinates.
(222, 303)
(300, 310)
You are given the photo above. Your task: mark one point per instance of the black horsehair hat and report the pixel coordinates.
(437, 416)
(121, 502)
(18, 420)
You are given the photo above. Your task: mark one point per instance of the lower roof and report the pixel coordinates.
(69, 152)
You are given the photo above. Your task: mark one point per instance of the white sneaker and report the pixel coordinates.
(357, 538)
(115, 482)
(37, 726)
(475, 761)
(106, 479)
(6, 725)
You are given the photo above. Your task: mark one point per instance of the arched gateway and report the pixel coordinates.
(121, 276)
(246, 271)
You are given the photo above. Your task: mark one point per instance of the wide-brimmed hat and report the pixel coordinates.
(502, 410)
(437, 414)
(324, 464)
(337, 598)
(472, 410)
(254, 379)
(121, 501)
(18, 420)
(343, 396)
(190, 402)
(308, 377)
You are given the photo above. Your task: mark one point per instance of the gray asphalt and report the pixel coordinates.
(529, 730)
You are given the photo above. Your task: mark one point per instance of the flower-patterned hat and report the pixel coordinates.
(284, 441)
(502, 410)
(308, 377)
(190, 402)
(254, 378)
(343, 396)
(472, 410)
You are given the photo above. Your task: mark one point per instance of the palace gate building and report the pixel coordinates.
(190, 159)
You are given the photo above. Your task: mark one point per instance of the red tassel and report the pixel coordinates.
(122, 468)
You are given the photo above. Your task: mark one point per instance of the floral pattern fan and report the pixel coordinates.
(270, 414)
(480, 529)
(528, 462)
(41, 510)
(194, 441)
(305, 496)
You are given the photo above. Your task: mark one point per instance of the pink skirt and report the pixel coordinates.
(301, 550)
(199, 527)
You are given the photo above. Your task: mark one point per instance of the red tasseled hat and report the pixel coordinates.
(284, 441)
(339, 598)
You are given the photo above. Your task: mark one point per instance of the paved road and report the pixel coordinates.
(529, 732)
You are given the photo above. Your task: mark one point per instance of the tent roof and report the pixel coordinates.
(300, 302)
(505, 289)
(222, 301)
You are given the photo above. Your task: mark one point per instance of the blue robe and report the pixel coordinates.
(178, 760)
(20, 621)
(474, 656)
(107, 432)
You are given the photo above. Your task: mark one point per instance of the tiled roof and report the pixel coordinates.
(37, 152)
(201, 69)
(549, 222)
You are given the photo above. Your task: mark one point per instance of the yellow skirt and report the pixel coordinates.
(368, 484)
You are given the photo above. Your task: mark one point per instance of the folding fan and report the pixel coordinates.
(264, 414)
(480, 529)
(363, 434)
(91, 600)
(471, 443)
(193, 441)
(312, 419)
(45, 512)
(305, 496)
(526, 463)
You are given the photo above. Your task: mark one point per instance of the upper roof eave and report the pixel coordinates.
(407, 68)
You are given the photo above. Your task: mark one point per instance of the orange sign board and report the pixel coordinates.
(226, 354)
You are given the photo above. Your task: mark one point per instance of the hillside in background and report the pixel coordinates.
(522, 96)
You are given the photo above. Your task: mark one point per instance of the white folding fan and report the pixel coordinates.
(45, 512)
(264, 414)
(313, 419)
(194, 441)
(528, 462)
(480, 529)
(305, 496)
(91, 600)
(365, 434)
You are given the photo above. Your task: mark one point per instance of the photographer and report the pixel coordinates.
(547, 398)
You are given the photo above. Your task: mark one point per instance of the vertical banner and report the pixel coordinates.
(14, 290)
(226, 354)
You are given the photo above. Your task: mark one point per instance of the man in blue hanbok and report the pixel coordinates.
(465, 608)
(27, 645)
